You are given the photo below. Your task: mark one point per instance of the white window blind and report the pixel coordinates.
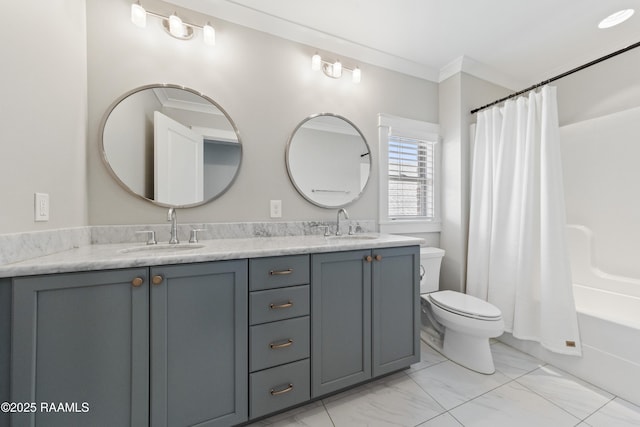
(411, 178)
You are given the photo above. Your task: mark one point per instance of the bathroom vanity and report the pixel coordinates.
(218, 334)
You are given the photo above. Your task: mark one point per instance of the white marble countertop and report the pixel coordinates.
(111, 256)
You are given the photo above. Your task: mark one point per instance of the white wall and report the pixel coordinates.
(43, 113)
(265, 84)
(459, 94)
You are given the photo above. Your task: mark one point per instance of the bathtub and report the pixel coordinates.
(608, 309)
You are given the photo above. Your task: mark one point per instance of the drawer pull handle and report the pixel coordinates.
(280, 272)
(138, 281)
(156, 280)
(287, 343)
(283, 391)
(368, 258)
(378, 257)
(288, 304)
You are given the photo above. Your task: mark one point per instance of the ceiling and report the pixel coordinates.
(515, 43)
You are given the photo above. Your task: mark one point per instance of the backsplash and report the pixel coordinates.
(22, 246)
(231, 230)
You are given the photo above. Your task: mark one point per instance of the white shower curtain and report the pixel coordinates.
(518, 257)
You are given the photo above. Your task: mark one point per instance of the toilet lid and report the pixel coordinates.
(465, 305)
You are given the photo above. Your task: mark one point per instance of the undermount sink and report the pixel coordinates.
(353, 237)
(162, 248)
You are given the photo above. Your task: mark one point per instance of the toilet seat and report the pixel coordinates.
(465, 305)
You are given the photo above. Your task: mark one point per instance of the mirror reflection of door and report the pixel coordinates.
(178, 162)
(127, 145)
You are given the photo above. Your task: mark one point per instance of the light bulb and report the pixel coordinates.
(337, 69)
(316, 62)
(209, 34)
(176, 27)
(356, 75)
(138, 15)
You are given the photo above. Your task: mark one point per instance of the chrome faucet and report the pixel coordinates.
(346, 216)
(173, 217)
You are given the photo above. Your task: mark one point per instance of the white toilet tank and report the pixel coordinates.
(430, 259)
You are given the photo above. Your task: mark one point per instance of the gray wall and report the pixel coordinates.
(265, 84)
(43, 110)
(459, 94)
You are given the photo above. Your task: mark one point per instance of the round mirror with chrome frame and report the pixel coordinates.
(328, 160)
(170, 145)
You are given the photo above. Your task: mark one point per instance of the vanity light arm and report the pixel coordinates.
(160, 16)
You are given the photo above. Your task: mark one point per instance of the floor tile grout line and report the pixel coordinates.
(426, 367)
(564, 409)
(583, 380)
(328, 413)
(428, 394)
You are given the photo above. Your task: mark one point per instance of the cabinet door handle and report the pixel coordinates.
(275, 346)
(279, 306)
(156, 280)
(283, 391)
(378, 257)
(280, 272)
(368, 258)
(138, 281)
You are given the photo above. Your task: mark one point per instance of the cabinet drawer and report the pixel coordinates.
(278, 388)
(277, 343)
(278, 272)
(278, 304)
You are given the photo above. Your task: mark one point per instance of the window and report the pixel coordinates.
(409, 165)
(410, 162)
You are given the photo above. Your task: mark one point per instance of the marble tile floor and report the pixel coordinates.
(436, 392)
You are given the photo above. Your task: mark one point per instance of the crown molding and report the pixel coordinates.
(465, 64)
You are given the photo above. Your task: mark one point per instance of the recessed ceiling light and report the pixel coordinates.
(616, 18)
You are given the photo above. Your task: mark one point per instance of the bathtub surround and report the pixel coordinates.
(518, 258)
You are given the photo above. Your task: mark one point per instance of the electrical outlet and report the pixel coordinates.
(276, 208)
(41, 207)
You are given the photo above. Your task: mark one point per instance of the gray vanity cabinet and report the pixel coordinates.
(395, 310)
(341, 320)
(279, 333)
(81, 339)
(365, 307)
(199, 324)
(159, 346)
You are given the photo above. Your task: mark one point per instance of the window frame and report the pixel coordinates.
(392, 126)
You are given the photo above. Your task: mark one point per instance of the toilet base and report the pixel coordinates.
(469, 351)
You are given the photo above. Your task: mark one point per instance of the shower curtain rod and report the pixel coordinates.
(559, 76)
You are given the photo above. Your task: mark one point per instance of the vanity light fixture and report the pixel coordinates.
(173, 24)
(616, 18)
(334, 69)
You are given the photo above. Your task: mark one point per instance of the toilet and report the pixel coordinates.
(457, 325)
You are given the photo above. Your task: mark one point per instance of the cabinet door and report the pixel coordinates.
(199, 333)
(396, 308)
(81, 339)
(341, 320)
